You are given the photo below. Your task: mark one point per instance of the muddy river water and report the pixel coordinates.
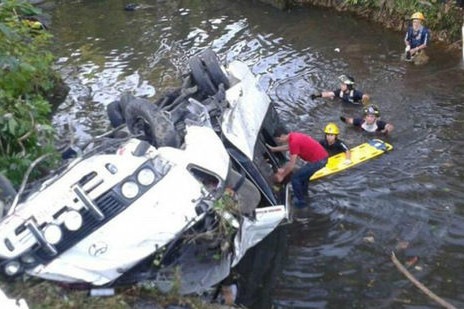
(410, 200)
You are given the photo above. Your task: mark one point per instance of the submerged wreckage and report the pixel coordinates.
(186, 193)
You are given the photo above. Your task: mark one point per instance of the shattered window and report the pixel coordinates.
(209, 181)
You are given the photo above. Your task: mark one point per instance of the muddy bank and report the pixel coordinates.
(444, 18)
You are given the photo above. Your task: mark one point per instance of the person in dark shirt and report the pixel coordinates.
(370, 122)
(417, 36)
(332, 144)
(346, 92)
(309, 150)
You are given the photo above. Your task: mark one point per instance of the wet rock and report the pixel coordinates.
(146, 305)
(280, 4)
(131, 7)
(58, 94)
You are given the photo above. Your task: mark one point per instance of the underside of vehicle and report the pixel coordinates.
(180, 189)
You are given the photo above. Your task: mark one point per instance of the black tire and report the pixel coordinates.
(145, 119)
(211, 62)
(201, 76)
(126, 99)
(115, 115)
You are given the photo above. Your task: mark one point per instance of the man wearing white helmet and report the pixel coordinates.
(417, 36)
(346, 92)
(370, 122)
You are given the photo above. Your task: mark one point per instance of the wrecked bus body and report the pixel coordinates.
(184, 194)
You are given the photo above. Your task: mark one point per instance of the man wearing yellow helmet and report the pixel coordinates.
(417, 36)
(370, 122)
(332, 144)
(346, 92)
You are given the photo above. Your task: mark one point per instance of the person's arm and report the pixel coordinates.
(278, 148)
(418, 48)
(346, 120)
(328, 94)
(365, 99)
(359, 96)
(406, 38)
(388, 128)
(346, 150)
(348, 156)
(385, 127)
(287, 169)
(323, 94)
(423, 45)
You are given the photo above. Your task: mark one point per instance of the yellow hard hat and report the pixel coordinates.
(418, 15)
(331, 128)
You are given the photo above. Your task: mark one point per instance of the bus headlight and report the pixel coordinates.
(130, 189)
(52, 234)
(72, 220)
(12, 268)
(146, 177)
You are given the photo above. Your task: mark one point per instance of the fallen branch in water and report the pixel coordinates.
(422, 287)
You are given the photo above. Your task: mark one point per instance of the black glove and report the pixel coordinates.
(316, 95)
(342, 118)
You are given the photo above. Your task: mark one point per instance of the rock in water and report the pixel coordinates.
(131, 7)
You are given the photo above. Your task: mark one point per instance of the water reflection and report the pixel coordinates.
(410, 200)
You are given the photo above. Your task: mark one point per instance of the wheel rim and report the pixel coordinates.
(142, 127)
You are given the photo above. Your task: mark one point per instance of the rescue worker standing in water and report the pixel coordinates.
(417, 37)
(346, 92)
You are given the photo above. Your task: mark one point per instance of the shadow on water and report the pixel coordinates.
(409, 200)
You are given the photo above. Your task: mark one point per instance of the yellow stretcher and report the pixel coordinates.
(361, 153)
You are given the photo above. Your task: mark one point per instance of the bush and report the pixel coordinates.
(25, 77)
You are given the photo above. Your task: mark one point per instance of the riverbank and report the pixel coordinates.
(30, 89)
(45, 294)
(444, 18)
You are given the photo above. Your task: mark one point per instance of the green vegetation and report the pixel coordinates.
(48, 295)
(25, 77)
(443, 18)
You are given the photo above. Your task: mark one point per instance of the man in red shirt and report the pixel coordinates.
(308, 149)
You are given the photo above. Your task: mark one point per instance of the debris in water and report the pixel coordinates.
(369, 239)
(411, 261)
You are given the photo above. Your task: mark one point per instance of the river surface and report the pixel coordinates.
(410, 200)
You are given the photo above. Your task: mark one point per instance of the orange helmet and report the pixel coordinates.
(418, 15)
